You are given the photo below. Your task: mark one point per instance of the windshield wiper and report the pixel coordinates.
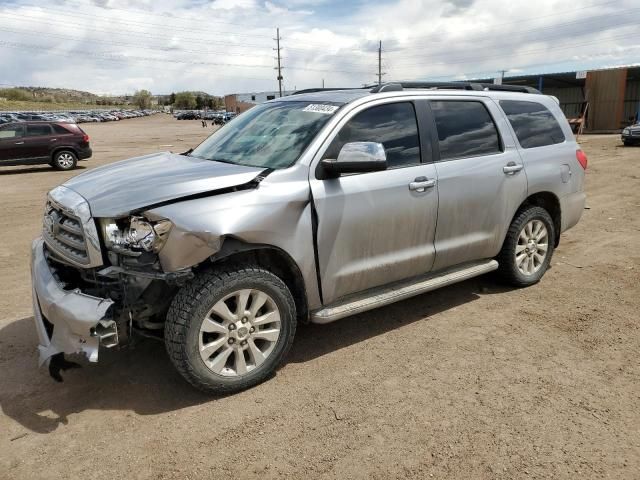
(222, 161)
(187, 153)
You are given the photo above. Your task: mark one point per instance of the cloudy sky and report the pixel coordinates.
(226, 46)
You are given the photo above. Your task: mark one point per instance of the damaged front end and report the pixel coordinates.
(86, 297)
(68, 320)
(81, 310)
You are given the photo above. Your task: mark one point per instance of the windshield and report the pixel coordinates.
(272, 135)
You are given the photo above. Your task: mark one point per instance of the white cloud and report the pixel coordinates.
(116, 46)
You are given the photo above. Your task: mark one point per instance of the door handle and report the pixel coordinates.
(54, 139)
(421, 184)
(19, 143)
(511, 168)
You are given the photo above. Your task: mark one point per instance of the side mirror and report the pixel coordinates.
(356, 157)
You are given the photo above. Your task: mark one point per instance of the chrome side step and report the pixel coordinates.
(400, 291)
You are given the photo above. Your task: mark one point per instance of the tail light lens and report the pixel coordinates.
(85, 138)
(582, 158)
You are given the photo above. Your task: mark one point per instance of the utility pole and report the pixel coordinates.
(380, 63)
(279, 68)
(323, 83)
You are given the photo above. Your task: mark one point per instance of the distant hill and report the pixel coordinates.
(58, 95)
(10, 97)
(67, 93)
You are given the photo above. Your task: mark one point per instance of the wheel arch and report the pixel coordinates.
(272, 258)
(551, 203)
(59, 149)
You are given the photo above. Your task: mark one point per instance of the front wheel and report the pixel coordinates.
(528, 247)
(229, 329)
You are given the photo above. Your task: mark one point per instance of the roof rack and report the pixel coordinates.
(399, 86)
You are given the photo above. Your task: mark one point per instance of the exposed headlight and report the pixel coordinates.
(626, 131)
(134, 234)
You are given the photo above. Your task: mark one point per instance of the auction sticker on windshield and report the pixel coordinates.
(319, 108)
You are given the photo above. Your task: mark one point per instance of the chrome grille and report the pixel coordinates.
(64, 234)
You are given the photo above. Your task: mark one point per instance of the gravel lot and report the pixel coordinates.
(472, 381)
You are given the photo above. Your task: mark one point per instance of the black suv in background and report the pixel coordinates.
(58, 144)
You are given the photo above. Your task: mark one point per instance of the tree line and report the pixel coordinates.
(179, 100)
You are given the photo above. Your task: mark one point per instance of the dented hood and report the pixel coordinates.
(115, 190)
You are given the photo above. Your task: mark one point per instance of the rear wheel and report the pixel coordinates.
(228, 330)
(64, 160)
(528, 247)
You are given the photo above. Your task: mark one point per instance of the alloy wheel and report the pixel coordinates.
(532, 247)
(65, 160)
(239, 333)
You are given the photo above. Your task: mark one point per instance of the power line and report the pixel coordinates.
(141, 34)
(170, 16)
(491, 73)
(544, 29)
(124, 44)
(111, 32)
(168, 49)
(108, 56)
(519, 54)
(135, 23)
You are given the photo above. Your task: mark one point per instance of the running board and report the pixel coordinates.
(385, 295)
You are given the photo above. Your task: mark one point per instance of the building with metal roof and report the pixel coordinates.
(607, 99)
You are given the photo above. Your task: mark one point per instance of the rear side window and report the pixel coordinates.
(465, 129)
(12, 131)
(534, 124)
(59, 129)
(393, 125)
(38, 130)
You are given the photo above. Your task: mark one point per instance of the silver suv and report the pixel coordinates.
(308, 208)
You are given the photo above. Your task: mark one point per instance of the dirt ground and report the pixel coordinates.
(472, 381)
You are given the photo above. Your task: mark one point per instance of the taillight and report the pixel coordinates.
(582, 158)
(85, 138)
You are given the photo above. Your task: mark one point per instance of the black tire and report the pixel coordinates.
(508, 268)
(192, 304)
(64, 160)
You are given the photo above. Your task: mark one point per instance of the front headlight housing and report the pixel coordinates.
(626, 131)
(134, 234)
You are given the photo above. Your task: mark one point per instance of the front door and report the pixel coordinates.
(376, 228)
(481, 180)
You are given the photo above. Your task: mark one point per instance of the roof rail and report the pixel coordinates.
(399, 86)
(314, 90)
(509, 88)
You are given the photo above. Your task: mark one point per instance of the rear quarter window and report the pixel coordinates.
(465, 129)
(533, 123)
(60, 130)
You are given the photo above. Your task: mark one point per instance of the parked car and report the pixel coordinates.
(221, 119)
(60, 144)
(190, 115)
(308, 208)
(631, 135)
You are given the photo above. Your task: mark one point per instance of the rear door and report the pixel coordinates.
(37, 141)
(481, 179)
(378, 227)
(11, 141)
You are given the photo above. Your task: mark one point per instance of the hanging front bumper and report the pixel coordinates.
(67, 321)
